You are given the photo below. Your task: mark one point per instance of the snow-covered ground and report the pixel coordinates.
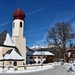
(70, 67)
(37, 68)
(66, 67)
(57, 63)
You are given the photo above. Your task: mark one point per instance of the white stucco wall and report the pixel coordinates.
(18, 37)
(17, 30)
(37, 60)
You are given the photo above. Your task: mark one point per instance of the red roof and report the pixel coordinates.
(19, 14)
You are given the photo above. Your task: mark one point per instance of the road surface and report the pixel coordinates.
(58, 70)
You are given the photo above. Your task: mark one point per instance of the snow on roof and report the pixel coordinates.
(39, 53)
(5, 39)
(15, 55)
(8, 41)
(7, 56)
(12, 56)
(42, 53)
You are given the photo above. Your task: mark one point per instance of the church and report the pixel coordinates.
(13, 49)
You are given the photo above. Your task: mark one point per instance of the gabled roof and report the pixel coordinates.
(39, 53)
(5, 40)
(12, 55)
(9, 51)
(42, 53)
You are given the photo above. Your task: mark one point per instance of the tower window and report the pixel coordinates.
(21, 24)
(13, 24)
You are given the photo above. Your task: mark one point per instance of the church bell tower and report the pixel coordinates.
(18, 31)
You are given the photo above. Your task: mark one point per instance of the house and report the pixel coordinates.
(38, 57)
(71, 54)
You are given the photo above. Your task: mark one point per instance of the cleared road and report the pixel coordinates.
(58, 70)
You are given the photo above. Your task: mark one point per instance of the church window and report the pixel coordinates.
(21, 24)
(15, 63)
(13, 24)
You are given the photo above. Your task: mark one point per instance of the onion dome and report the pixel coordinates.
(19, 14)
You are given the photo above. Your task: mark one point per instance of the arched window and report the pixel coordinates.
(21, 24)
(13, 24)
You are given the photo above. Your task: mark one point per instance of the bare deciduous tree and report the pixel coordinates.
(61, 35)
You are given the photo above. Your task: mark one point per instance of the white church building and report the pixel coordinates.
(13, 50)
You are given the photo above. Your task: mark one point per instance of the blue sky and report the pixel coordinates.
(41, 15)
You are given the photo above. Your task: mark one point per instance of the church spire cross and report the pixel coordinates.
(19, 5)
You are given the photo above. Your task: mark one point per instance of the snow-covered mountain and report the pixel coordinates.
(49, 46)
(38, 47)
